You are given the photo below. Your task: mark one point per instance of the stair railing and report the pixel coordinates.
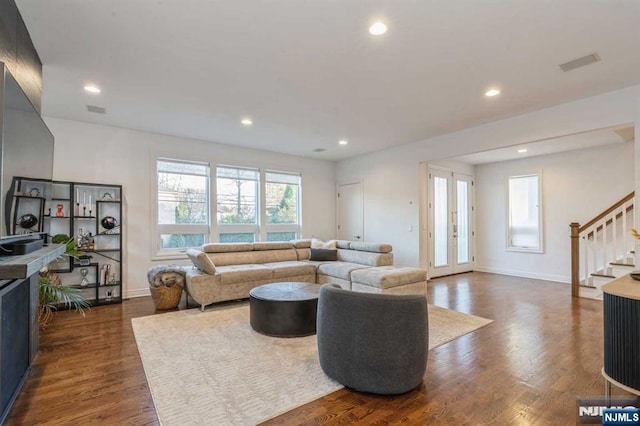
(602, 240)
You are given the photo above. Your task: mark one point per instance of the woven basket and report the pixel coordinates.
(166, 297)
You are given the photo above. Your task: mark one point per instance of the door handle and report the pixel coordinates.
(357, 237)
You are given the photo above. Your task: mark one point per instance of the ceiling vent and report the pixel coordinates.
(319, 150)
(96, 109)
(580, 62)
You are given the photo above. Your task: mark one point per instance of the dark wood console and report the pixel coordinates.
(622, 335)
(19, 319)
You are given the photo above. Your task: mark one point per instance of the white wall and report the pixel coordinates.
(391, 178)
(102, 154)
(576, 186)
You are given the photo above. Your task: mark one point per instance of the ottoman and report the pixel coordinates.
(165, 284)
(390, 280)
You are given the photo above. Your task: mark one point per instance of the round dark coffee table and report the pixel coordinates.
(285, 309)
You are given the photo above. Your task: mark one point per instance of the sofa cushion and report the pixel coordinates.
(253, 257)
(303, 253)
(226, 247)
(301, 244)
(272, 245)
(365, 257)
(339, 269)
(372, 247)
(315, 243)
(201, 261)
(231, 274)
(323, 255)
(291, 269)
(343, 244)
(388, 276)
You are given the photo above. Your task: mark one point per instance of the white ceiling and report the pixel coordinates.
(308, 73)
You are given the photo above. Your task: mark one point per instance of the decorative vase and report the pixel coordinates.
(60, 212)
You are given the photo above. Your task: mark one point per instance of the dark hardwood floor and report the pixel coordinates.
(527, 367)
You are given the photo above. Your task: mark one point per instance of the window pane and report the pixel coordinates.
(441, 224)
(524, 217)
(282, 197)
(237, 195)
(237, 237)
(281, 236)
(462, 191)
(282, 202)
(181, 240)
(183, 193)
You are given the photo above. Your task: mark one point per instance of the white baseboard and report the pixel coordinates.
(524, 274)
(140, 292)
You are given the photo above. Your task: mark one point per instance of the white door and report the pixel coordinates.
(450, 222)
(350, 213)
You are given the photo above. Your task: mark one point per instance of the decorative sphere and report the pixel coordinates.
(27, 221)
(109, 222)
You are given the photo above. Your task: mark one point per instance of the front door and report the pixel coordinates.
(450, 222)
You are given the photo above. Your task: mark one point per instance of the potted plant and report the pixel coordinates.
(52, 293)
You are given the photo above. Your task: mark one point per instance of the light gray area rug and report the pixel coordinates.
(213, 368)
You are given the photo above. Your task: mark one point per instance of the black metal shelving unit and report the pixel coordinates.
(75, 208)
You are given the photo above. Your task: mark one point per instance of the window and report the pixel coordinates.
(525, 214)
(250, 204)
(282, 205)
(237, 201)
(183, 205)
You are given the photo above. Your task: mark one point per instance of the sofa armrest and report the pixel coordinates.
(201, 261)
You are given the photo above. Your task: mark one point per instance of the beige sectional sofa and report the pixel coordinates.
(224, 272)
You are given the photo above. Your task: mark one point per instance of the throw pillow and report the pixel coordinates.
(324, 255)
(201, 261)
(315, 243)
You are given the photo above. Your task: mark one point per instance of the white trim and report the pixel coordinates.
(141, 292)
(566, 279)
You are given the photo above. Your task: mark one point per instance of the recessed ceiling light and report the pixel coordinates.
(91, 88)
(378, 28)
(522, 150)
(492, 92)
(343, 142)
(247, 121)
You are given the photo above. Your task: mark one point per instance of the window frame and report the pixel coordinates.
(159, 253)
(540, 225)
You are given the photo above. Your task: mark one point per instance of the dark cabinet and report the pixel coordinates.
(18, 336)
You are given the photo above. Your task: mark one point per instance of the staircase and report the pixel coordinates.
(602, 249)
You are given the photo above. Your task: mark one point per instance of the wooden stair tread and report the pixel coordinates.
(587, 286)
(622, 264)
(595, 274)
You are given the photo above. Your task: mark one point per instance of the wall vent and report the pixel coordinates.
(96, 109)
(580, 62)
(319, 150)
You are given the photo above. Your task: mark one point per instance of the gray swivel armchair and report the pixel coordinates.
(375, 343)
